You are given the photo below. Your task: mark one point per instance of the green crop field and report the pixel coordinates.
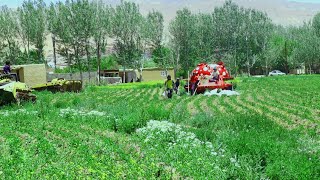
(270, 131)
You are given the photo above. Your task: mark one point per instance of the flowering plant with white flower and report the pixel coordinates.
(183, 150)
(17, 112)
(172, 136)
(74, 113)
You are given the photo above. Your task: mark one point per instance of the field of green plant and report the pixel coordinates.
(270, 131)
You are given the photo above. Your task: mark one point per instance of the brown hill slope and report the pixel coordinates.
(281, 11)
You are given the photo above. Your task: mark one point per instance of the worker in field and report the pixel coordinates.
(194, 82)
(177, 84)
(7, 70)
(215, 75)
(169, 86)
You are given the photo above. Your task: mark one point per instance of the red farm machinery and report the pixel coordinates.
(209, 77)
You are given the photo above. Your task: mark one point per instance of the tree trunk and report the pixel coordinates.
(124, 74)
(54, 53)
(140, 78)
(39, 56)
(266, 68)
(88, 60)
(176, 64)
(310, 69)
(142, 63)
(68, 58)
(28, 46)
(235, 63)
(248, 63)
(78, 62)
(286, 57)
(41, 59)
(99, 62)
(10, 53)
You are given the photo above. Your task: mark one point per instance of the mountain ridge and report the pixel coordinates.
(284, 12)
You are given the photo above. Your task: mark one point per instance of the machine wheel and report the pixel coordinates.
(230, 88)
(26, 96)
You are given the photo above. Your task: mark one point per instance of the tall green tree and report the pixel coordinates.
(101, 28)
(230, 30)
(257, 28)
(205, 39)
(54, 27)
(63, 33)
(77, 23)
(162, 56)
(8, 34)
(316, 24)
(307, 49)
(127, 32)
(154, 26)
(183, 34)
(151, 35)
(32, 18)
(89, 10)
(228, 34)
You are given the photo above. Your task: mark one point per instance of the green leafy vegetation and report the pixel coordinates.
(270, 131)
(84, 31)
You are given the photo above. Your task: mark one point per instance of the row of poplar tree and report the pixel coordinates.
(245, 39)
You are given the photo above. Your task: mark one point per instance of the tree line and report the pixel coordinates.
(245, 39)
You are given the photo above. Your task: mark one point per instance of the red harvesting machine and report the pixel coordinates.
(208, 77)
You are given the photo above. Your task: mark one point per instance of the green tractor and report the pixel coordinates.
(12, 91)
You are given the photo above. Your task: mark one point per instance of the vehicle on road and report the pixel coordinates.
(276, 73)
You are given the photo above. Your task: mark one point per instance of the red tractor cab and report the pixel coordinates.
(208, 77)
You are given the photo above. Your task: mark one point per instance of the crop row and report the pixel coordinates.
(269, 131)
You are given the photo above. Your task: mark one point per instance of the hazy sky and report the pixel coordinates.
(16, 3)
(310, 1)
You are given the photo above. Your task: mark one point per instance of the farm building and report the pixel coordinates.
(300, 69)
(148, 74)
(30, 74)
(131, 75)
(153, 74)
(110, 76)
(116, 75)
